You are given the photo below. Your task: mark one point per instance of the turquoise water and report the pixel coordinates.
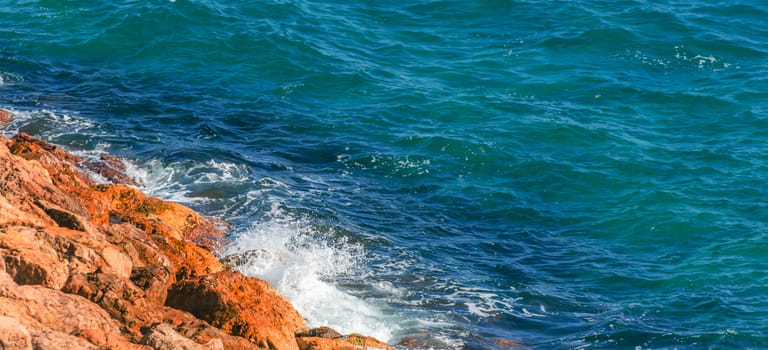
(581, 174)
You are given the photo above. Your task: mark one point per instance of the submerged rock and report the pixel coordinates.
(111, 168)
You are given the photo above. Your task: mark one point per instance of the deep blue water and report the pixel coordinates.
(561, 174)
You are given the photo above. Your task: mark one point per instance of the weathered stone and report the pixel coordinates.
(240, 305)
(154, 281)
(320, 332)
(51, 339)
(348, 342)
(13, 335)
(39, 308)
(112, 169)
(5, 116)
(28, 261)
(116, 295)
(104, 340)
(163, 337)
(62, 217)
(201, 332)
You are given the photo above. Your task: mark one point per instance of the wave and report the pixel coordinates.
(300, 261)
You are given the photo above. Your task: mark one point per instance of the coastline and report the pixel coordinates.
(88, 265)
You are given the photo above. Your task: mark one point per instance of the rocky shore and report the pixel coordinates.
(88, 265)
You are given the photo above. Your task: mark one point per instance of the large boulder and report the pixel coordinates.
(243, 306)
(324, 338)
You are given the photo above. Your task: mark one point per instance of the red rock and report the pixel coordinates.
(240, 305)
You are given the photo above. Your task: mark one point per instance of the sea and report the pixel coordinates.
(439, 174)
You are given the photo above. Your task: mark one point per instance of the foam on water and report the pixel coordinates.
(290, 252)
(300, 261)
(607, 160)
(177, 181)
(45, 124)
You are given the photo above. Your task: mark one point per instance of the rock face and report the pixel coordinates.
(327, 339)
(242, 306)
(5, 116)
(102, 266)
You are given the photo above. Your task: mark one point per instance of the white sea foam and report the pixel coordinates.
(9, 78)
(172, 181)
(483, 303)
(285, 250)
(59, 123)
(299, 261)
(682, 58)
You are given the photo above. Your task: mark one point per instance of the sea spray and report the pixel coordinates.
(301, 261)
(289, 250)
(580, 175)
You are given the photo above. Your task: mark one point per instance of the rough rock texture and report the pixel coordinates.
(163, 337)
(324, 338)
(242, 306)
(111, 168)
(5, 116)
(85, 265)
(13, 335)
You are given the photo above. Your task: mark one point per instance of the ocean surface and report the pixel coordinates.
(458, 174)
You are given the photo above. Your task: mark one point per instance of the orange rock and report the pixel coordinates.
(5, 116)
(506, 344)
(13, 335)
(49, 313)
(325, 338)
(201, 332)
(105, 340)
(240, 305)
(162, 336)
(353, 341)
(111, 168)
(103, 266)
(27, 262)
(118, 296)
(320, 332)
(154, 281)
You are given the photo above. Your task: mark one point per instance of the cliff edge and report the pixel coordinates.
(85, 265)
